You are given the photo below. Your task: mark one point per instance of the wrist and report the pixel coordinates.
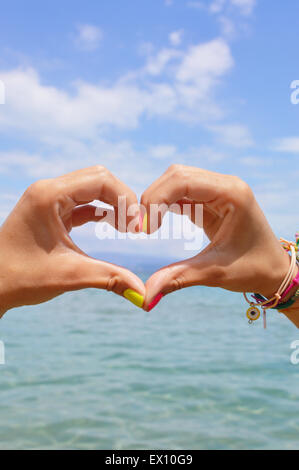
(276, 275)
(4, 299)
(7, 288)
(292, 313)
(10, 273)
(4, 304)
(291, 292)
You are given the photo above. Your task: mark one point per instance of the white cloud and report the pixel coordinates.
(287, 145)
(34, 165)
(156, 65)
(175, 38)
(233, 135)
(163, 151)
(228, 27)
(67, 129)
(41, 110)
(193, 77)
(245, 7)
(174, 84)
(217, 6)
(204, 63)
(88, 37)
(68, 155)
(65, 155)
(168, 3)
(227, 13)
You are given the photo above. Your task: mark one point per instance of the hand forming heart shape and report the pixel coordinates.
(40, 260)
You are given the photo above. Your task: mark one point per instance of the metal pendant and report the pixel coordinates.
(253, 314)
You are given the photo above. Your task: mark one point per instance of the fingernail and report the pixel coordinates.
(144, 223)
(154, 302)
(134, 297)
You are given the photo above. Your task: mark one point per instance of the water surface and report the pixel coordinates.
(88, 370)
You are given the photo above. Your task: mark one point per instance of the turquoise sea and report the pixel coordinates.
(89, 370)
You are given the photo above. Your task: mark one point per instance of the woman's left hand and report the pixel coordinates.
(39, 260)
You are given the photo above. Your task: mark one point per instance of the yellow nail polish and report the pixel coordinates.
(134, 297)
(144, 223)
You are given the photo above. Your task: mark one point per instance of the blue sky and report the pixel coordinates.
(137, 85)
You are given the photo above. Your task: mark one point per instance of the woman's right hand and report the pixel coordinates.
(244, 255)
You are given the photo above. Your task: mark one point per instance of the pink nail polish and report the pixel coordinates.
(154, 302)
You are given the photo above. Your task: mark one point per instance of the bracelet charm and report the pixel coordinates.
(253, 314)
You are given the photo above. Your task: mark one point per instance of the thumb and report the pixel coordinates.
(202, 269)
(81, 271)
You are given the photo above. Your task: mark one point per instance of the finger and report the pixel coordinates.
(98, 183)
(83, 214)
(209, 221)
(199, 214)
(202, 269)
(180, 182)
(186, 207)
(78, 271)
(88, 213)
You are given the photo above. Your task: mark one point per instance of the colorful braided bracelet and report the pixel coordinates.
(281, 306)
(287, 285)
